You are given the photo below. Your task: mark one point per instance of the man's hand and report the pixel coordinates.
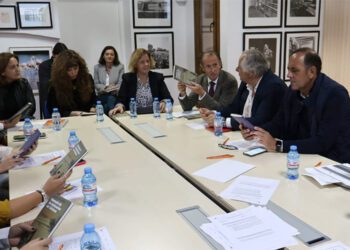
(247, 134)
(182, 88)
(196, 88)
(265, 138)
(208, 116)
(17, 231)
(37, 244)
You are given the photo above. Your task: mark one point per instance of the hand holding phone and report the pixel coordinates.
(241, 120)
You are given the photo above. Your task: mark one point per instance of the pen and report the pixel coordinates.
(318, 164)
(48, 161)
(220, 156)
(224, 143)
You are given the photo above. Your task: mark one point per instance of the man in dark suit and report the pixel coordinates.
(315, 113)
(259, 95)
(214, 89)
(45, 74)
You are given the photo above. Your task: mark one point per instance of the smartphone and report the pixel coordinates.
(255, 151)
(241, 120)
(22, 137)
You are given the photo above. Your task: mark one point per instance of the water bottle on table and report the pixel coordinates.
(56, 120)
(169, 109)
(133, 108)
(90, 239)
(218, 124)
(72, 139)
(99, 112)
(156, 108)
(89, 187)
(293, 161)
(27, 128)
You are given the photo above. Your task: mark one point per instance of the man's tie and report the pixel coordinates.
(211, 89)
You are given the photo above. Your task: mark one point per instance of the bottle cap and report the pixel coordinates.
(156, 98)
(87, 170)
(72, 133)
(27, 120)
(132, 99)
(218, 113)
(55, 109)
(89, 228)
(293, 147)
(98, 102)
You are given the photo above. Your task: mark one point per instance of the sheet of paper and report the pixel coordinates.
(38, 160)
(338, 245)
(337, 173)
(244, 145)
(321, 178)
(224, 170)
(72, 241)
(185, 113)
(253, 190)
(196, 125)
(37, 124)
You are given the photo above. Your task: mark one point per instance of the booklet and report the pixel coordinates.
(49, 218)
(70, 160)
(184, 75)
(29, 143)
(48, 124)
(20, 113)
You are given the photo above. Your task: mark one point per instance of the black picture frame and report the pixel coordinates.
(260, 15)
(269, 44)
(161, 47)
(302, 14)
(151, 14)
(299, 39)
(34, 15)
(9, 17)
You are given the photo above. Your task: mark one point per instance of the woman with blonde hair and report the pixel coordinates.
(71, 86)
(142, 84)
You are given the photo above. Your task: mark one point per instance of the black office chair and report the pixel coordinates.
(43, 92)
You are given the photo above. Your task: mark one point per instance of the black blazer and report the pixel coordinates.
(267, 100)
(128, 87)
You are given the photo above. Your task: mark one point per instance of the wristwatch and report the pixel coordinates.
(44, 196)
(279, 145)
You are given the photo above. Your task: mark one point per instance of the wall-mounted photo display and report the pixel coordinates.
(8, 17)
(29, 60)
(161, 47)
(262, 13)
(34, 15)
(297, 40)
(303, 13)
(152, 13)
(269, 44)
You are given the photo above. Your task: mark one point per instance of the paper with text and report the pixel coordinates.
(38, 160)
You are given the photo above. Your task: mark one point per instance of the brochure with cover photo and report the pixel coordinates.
(184, 75)
(21, 113)
(48, 219)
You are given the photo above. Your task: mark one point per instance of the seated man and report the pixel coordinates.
(259, 95)
(315, 113)
(214, 89)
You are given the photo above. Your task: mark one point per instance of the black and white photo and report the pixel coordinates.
(269, 44)
(262, 13)
(297, 40)
(301, 13)
(34, 15)
(161, 47)
(152, 13)
(8, 20)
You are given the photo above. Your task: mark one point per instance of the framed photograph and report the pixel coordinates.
(269, 44)
(161, 47)
(152, 13)
(262, 13)
(303, 13)
(34, 15)
(8, 17)
(29, 60)
(297, 40)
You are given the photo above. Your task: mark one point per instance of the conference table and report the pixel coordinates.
(186, 150)
(140, 192)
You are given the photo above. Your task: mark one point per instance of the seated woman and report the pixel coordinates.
(108, 77)
(15, 92)
(142, 84)
(71, 87)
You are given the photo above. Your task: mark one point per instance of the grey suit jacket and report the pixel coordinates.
(115, 77)
(224, 93)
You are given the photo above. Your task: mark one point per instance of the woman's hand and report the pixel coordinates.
(9, 162)
(37, 244)
(118, 109)
(162, 106)
(55, 185)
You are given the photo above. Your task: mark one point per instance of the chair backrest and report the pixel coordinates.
(43, 88)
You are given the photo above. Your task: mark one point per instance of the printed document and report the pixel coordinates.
(253, 190)
(244, 145)
(333, 246)
(38, 160)
(197, 125)
(224, 170)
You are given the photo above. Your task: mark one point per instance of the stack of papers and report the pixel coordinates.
(253, 190)
(72, 241)
(38, 160)
(244, 145)
(250, 228)
(224, 170)
(186, 114)
(330, 174)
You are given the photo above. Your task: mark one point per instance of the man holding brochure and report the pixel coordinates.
(214, 89)
(315, 113)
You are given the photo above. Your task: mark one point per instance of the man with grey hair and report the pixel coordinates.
(259, 95)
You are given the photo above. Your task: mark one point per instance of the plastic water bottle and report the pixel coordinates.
(293, 159)
(133, 108)
(169, 109)
(156, 108)
(72, 139)
(218, 124)
(56, 120)
(99, 112)
(88, 183)
(27, 128)
(90, 239)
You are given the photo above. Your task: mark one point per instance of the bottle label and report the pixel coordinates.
(293, 165)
